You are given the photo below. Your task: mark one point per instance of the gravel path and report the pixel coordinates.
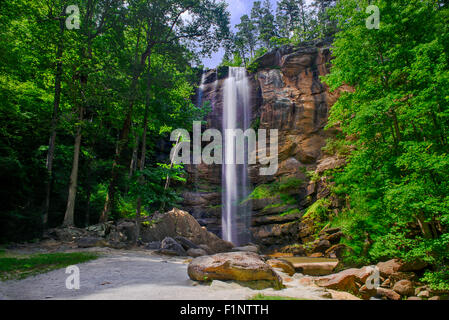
(136, 275)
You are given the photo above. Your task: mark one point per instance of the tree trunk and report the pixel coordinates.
(144, 147)
(54, 123)
(69, 213)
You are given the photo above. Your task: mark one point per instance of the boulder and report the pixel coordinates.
(153, 245)
(322, 246)
(336, 251)
(246, 249)
(128, 228)
(285, 265)
(366, 293)
(315, 268)
(238, 266)
(392, 266)
(186, 243)
(424, 294)
(404, 288)
(178, 223)
(389, 294)
(414, 298)
(90, 242)
(196, 252)
(389, 267)
(169, 246)
(348, 280)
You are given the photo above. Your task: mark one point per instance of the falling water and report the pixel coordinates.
(236, 213)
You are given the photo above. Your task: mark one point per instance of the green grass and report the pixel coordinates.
(20, 267)
(261, 296)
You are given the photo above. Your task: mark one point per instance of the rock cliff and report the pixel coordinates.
(288, 95)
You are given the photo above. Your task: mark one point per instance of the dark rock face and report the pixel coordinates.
(169, 246)
(288, 95)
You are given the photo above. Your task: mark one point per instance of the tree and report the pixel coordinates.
(246, 35)
(396, 177)
(164, 24)
(263, 18)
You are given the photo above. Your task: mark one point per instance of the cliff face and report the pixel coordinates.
(288, 95)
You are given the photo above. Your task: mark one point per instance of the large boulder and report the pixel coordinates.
(404, 288)
(348, 280)
(90, 242)
(238, 266)
(395, 266)
(178, 223)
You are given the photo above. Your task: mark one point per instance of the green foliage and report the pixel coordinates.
(396, 180)
(20, 267)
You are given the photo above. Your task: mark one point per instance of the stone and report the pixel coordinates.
(414, 298)
(315, 268)
(388, 293)
(186, 243)
(336, 251)
(248, 248)
(285, 265)
(435, 298)
(153, 245)
(366, 293)
(334, 238)
(316, 255)
(206, 248)
(128, 228)
(180, 223)
(196, 252)
(237, 266)
(404, 288)
(322, 246)
(169, 246)
(424, 294)
(347, 280)
(389, 267)
(90, 242)
(392, 266)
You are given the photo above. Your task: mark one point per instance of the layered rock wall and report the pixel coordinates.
(288, 95)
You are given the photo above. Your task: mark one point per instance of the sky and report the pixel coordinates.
(237, 8)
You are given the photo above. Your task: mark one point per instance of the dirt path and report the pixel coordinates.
(137, 275)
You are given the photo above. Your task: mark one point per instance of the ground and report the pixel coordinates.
(138, 275)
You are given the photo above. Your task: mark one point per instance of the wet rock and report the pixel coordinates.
(285, 265)
(238, 266)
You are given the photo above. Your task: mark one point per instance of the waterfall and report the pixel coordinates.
(236, 214)
(199, 101)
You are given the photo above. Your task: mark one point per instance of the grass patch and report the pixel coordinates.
(261, 296)
(29, 265)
